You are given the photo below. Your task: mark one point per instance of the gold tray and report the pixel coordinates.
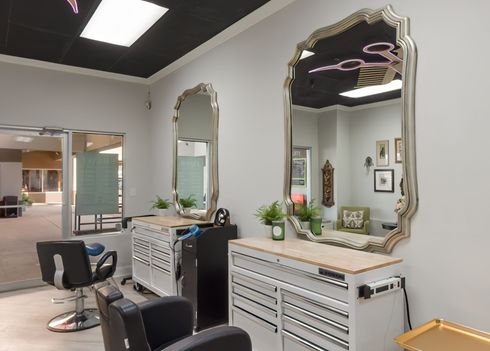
(439, 334)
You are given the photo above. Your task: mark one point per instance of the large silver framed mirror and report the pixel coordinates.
(350, 132)
(195, 162)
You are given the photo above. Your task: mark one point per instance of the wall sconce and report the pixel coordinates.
(368, 163)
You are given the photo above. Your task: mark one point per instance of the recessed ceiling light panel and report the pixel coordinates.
(373, 89)
(122, 22)
(306, 53)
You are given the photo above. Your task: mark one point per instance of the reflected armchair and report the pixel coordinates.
(364, 226)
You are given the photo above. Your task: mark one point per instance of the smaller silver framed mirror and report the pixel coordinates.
(195, 161)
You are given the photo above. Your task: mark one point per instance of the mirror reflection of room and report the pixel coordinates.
(346, 114)
(194, 152)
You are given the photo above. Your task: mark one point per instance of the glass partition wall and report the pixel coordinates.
(54, 184)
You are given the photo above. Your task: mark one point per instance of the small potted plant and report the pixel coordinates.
(187, 203)
(26, 200)
(160, 205)
(269, 214)
(306, 213)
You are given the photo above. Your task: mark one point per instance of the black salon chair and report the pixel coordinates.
(66, 265)
(163, 324)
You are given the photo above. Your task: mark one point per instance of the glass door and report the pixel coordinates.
(33, 200)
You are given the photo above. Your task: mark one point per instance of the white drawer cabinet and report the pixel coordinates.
(154, 257)
(296, 295)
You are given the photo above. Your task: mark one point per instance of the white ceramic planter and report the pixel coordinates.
(162, 212)
(268, 230)
(305, 225)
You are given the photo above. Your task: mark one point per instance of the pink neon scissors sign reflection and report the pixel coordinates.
(383, 49)
(74, 5)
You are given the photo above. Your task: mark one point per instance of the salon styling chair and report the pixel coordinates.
(163, 324)
(66, 265)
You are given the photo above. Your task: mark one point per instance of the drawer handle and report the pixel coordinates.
(161, 269)
(240, 289)
(160, 261)
(320, 318)
(302, 341)
(142, 261)
(255, 304)
(314, 303)
(311, 329)
(161, 250)
(254, 281)
(291, 270)
(255, 319)
(140, 252)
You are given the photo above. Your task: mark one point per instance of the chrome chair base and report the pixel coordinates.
(73, 321)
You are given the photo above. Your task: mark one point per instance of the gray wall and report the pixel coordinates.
(37, 97)
(248, 73)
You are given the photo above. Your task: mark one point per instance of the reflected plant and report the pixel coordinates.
(188, 202)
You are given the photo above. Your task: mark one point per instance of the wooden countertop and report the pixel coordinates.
(325, 256)
(169, 221)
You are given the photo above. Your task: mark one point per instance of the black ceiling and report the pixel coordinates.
(321, 89)
(48, 30)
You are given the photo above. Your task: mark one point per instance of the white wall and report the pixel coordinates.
(327, 143)
(10, 179)
(366, 126)
(445, 258)
(37, 97)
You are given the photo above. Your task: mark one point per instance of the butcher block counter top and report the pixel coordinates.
(325, 256)
(169, 221)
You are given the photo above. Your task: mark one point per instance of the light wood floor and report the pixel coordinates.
(24, 314)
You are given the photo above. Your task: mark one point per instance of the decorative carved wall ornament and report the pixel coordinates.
(328, 185)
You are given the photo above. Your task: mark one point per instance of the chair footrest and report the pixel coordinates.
(57, 300)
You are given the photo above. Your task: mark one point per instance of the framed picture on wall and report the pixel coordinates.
(384, 180)
(298, 176)
(382, 153)
(398, 150)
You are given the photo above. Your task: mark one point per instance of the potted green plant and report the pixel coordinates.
(160, 205)
(306, 213)
(26, 200)
(269, 214)
(187, 203)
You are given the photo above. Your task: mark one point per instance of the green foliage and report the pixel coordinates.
(26, 199)
(270, 213)
(188, 202)
(306, 213)
(159, 203)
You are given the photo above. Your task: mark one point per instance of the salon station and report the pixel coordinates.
(254, 175)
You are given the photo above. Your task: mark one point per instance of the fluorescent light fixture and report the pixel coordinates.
(374, 89)
(306, 54)
(23, 139)
(122, 22)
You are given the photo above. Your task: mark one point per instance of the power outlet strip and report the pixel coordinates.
(381, 287)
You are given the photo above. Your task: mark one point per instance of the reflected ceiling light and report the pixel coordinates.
(305, 54)
(374, 89)
(89, 144)
(122, 22)
(23, 139)
(74, 5)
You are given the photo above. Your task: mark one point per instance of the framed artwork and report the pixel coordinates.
(382, 153)
(298, 172)
(398, 150)
(384, 180)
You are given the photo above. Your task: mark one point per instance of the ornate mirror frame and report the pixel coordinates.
(207, 89)
(402, 26)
